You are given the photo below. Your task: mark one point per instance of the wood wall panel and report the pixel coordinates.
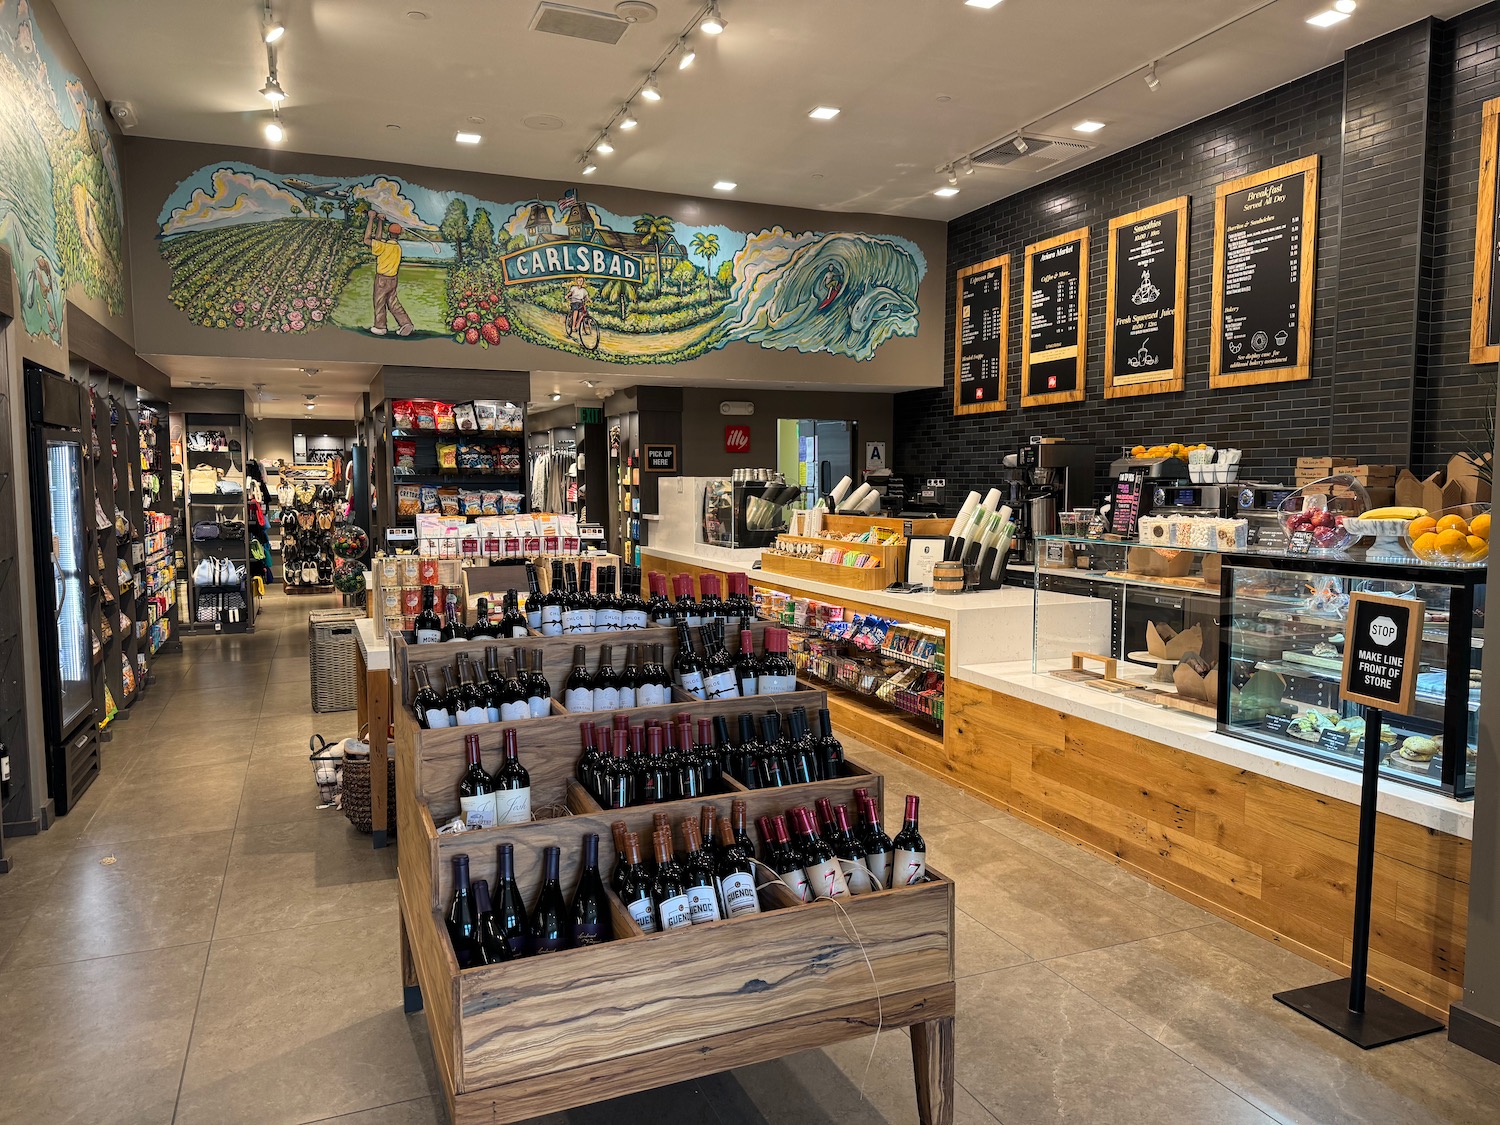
(1272, 857)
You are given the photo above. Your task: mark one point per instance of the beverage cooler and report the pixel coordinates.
(61, 491)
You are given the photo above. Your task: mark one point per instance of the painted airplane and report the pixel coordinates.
(321, 191)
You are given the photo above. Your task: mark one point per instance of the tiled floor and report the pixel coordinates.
(235, 961)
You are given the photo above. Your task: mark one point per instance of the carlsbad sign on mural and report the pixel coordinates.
(252, 251)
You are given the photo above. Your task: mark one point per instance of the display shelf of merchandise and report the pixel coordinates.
(210, 606)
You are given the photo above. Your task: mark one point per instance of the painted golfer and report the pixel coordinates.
(387, 253)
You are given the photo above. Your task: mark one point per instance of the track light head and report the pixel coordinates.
(272, 90)
(713, 23)
(1152, 81)
(650, 92)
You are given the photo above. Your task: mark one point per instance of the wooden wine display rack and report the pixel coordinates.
(545, 1034)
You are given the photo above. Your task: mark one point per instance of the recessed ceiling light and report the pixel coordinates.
(1345, 6)
(725, 185)
(1088, 126)
(650, 92)
(945, 192)
(688, 55)
(604, 147)
(556, 396)
(1328, 18)
(397, 128)
(628, 121)
(467, 138)
(824, 113)
(986, 4)
(414, 15)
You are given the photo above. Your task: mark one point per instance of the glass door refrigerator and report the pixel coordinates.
(60, 498)
(816, 453)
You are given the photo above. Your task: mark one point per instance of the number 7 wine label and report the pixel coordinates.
(827, 879)
(910, 868)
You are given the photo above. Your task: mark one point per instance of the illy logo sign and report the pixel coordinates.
(736, 439)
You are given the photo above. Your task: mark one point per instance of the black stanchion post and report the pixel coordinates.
(1364, 863)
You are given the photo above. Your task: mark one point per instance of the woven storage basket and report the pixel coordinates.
(356, 784)
(332, 645)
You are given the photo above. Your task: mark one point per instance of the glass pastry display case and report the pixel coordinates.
(1281, 657)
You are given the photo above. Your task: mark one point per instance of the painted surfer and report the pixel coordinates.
(831, 283)
(39, 287)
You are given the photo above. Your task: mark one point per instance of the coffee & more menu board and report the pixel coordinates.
(1484, 331)
(1053, 355)
(982, 337)
(1147, 301)
(1265, 234)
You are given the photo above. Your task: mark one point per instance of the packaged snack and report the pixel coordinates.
(404, 414)
(448, 501)
(447, 457)
(406, 456)
(408, 499)
(487, 413)
(510, 503)
(428, 571)
(510, 416)
(464, 417)
(470, 502)
(411, 599)
(411, 570)
(442, 412)
(424, 410)
(489, 503)
(430, 499)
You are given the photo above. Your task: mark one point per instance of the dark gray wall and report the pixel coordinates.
(703, 426)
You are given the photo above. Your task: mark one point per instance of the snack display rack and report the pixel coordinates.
(158, 575)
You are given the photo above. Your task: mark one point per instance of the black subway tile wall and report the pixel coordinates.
(1391, 380)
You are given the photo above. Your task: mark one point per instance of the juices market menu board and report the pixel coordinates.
(1484, 331)
(1264, 244)
(1057, 301)
(982, 337)
(1146, 306)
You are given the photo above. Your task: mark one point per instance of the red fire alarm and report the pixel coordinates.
(736, 439)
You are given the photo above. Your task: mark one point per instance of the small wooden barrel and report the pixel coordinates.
(948, 578)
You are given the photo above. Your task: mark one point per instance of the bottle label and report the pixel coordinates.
(606, 699)
(694, 620)
(588, 934)
(540, 945)
(510, 712)
(692, 683)
(627, 698)
(588, 619)
(479, 812)
(739, 894)
(438, 718)
(551, 620)
(675, 913)
(534, 619)
(473, 716)
(826, 879)
(618, 792)
(579, 700)
(606, 619)
(493, 714)
(650, 695)
(910, 867)
(703, 905)
(721, 685)
(428, 636)
(572, 621)
(879, 864)
(539, 706)
(640, 910)
(771, 685)
(513, 806)
(855, 877)
(796, 879)
(749, 685)
(633, 619)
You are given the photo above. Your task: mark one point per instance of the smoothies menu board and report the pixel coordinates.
(1053, 355)
(1484, 331)
(982, 336)
(1263, 286)
(1147, 299)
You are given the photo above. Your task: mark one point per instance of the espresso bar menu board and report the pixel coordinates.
(1146, 303)
(1484, 332)
(982, 337)
(1265, 232)
(1057, 301)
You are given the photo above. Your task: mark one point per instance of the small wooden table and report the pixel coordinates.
(373, 702)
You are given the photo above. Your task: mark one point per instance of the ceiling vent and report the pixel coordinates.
(579, 23)
(1040, 153)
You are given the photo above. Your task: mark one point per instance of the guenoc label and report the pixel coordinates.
(721, 685)
(479, 812)
(879, 864)
(826, 879)
(910, 867)
(579, 700)
(644, 917)
(538, 706)
(427, 636)
(703, 905)
(438, 718)
(739, 894)
(509, 712)
(692, 683)
(796, 879)
(606, 699)
(675, 913)
(771, 685)
(513, 806)
(854, 875)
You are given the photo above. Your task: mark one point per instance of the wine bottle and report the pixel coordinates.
(637, 760)
(656, 682)
(606, 682)
(552, 604)
(698, 877)
(510, 911)
(685, 610)
(719, 680)
(635, 886)
(658, 609)
(578, 691)
(590, 769)
(551, 927)
(431, 709)
(493, 947)
(512, 784)
(746, 756)
(774, 771)
(735, 871)
(661, 825)
(512, 623)
(618, 831)
(538, 690)
(909, 864)
(428, 627)
(476, 792)
(607, 614)
(851, 855)
(463, 921)
(709, 766)
(738, 603)
(483, 627)
(492, 683)
(453, 625)
(768, 845)
(655, 782)
(687, 780)
(746, 666)
(619, 779)
(830, 750)
(710, 604)
(825, 877)
(708, 831)
(802, 754)
(721, 747)
(588, 601)
(632, 610)
(669, 890)
(453, 698)
(824, 808)
(738, 815)
(572, 606)
(777, 672)
(514, 705)
(471, 708)
(687, 670)
(630, 677)
(589, 909)
(878, 848)
(788, 862)
(533, 599)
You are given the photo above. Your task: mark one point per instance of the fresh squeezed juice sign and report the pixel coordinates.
(1380, 654)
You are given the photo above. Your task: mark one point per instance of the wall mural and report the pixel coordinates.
(249, 249)
(61, 206)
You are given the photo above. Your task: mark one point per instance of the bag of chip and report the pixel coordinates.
(443, 413)
(408, 499)
(510, 503)
(487, 413)
(424, 410)
(470, 502)
(406, 456)
(489, 504)
(430, 499)
(465, 418)
(447, 457)
(448, 501)
(404, 414)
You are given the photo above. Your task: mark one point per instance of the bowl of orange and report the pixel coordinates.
(1457, 536)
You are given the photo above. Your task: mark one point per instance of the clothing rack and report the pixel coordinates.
(552, 487)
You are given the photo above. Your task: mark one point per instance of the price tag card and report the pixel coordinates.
(1380, 655)
(1300, 543)
(1275, 724)
(1336, 741)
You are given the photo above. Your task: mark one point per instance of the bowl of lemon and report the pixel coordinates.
(1452, 537)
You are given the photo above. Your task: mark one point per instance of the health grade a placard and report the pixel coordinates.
(1380, 654)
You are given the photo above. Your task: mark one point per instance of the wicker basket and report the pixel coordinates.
(332, 647)
(356, 781)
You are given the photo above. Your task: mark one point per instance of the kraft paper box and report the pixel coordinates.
(1465, 474)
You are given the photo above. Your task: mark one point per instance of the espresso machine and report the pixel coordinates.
(1049, 475)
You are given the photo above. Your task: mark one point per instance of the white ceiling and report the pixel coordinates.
(275, 388)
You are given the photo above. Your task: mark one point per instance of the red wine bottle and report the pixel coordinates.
(710, 768)
(745, 758)
(736, 875)
(738, 815)
(471, 708)
(512, 783)
(618, 831)
(687, 669)
(777, 672)
(589, 908)
(851, 855)
(824, 808)
(619, 780)
(654, 784)
(635, 886)
(428, 627)
(476, 792)
(606, 682)
(630, 677)
(802, 753)
(590, 768)
(878, 848)
(578, 691)
(830, 750)
(607, 613)
(698, 877)
(453, 626)
(514, 705)
(825, 877)
(431, 709)
(669, 890)
(910, 861)
(746, 666)
(551, 928)
(768, 845)
(483, 628)
(538, 690)
(719, 680)
(492, 944)
(788, 862)
(774, 770)
(552, 604)
(462, 919)
(658, 609)
(688, 774)
(586, 605)
(492, 684)
(453, 699)
(510, 911)
(708, 831)
(633, 613)
(533, 600)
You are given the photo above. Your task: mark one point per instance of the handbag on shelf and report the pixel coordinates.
(235, 476)
(203, 573)
(205, 530)
(203, 480)
(229, 488)
(231, 529)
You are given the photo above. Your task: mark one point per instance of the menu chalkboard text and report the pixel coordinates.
(1053, 355)
(1146, 303)
(982, 337)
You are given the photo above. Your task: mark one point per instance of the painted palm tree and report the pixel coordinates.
(706, 246)
(654, 231)
(618, 289)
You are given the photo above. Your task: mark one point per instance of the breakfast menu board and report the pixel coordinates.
(981, 337)
(1484, 331)
(1146, 301)
(1057, 300)
(1264, 244)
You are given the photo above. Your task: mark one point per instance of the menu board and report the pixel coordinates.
(1146, 303)
(1264, 244)
(982, 336)
(1484, 332)
(1053, 356)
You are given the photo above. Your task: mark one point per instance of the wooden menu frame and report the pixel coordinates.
(1175, 382)
(1080, 236)
(1302, 369)
(1480, 348)
(1001, 263)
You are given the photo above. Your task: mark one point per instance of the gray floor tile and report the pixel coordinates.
(176, 803)
(422, 1111)
(277, 788)
(878, 1083)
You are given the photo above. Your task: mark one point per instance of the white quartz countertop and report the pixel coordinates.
(376, 650)
(1196, 735)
